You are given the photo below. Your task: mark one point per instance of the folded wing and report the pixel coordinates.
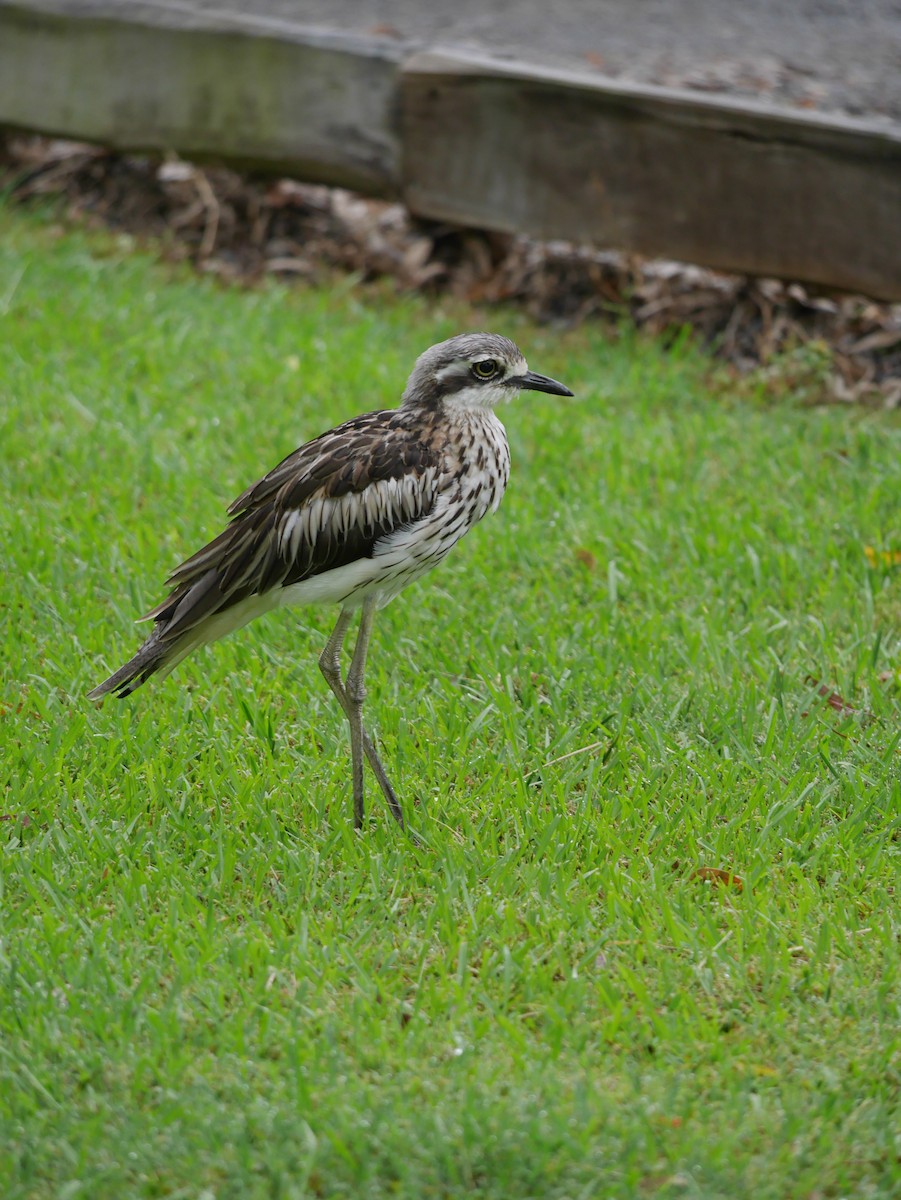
(325, 505)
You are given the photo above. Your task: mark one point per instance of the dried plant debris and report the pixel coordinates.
(241, 227)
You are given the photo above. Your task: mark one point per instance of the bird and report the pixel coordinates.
(350, 519)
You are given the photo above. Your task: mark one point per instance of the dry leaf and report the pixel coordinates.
(833, 699)
(586, 558)
(25, 819)
(881, 339)
(718, 875)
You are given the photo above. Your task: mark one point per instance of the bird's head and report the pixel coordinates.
(474, 370)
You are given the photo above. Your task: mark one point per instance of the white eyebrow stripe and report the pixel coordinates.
(455, 369)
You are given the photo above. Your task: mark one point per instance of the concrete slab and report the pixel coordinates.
(263, 94)
(832, 55)
(664, 173)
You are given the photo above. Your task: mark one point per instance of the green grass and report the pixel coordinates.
(210, 987)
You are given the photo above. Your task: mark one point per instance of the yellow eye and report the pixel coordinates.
(486, 369)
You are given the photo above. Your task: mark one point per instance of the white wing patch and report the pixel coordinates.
(388, 501)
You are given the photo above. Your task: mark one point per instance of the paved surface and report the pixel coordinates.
(828, 55)
(833, 55)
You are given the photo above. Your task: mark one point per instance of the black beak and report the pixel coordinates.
(533, 382)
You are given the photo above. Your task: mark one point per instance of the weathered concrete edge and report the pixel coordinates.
(743, 188)
(182, 14)
(704, 108)
(331, 107)
(320, 105)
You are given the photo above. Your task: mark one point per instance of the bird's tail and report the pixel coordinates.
(179, 630)
(156, 655)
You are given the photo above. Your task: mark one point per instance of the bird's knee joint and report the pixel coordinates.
(329, 666)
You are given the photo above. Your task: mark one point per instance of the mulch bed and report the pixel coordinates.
(243, 228)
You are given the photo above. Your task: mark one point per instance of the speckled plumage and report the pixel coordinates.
(353, 516)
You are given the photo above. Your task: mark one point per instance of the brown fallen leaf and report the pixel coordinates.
(833, 699)
(718, 875)
(586, 558)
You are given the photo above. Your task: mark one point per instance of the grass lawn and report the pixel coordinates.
(211, 988)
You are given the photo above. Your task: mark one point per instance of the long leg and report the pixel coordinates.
(330, 665)
(355, 688)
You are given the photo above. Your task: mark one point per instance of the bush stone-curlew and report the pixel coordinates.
(351, 518)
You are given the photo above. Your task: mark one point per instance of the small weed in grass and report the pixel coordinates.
(613, 698)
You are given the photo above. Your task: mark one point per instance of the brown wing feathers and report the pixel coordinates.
(323, 506)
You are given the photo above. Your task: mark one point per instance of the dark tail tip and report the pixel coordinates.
(115, 686)
(136, 671)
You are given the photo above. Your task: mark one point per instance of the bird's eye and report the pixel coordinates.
(486, 369)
